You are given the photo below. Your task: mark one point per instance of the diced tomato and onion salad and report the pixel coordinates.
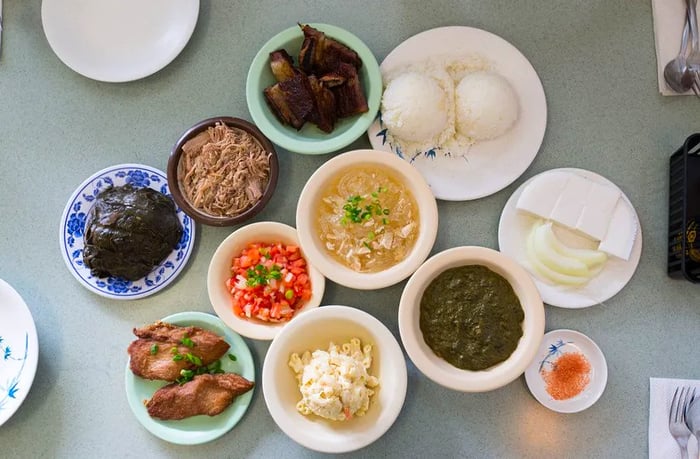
(269, 282)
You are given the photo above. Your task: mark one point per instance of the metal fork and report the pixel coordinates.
(676, 418)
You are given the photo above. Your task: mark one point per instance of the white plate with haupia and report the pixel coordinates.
(461, 172)
(118, 40)
(605, 279)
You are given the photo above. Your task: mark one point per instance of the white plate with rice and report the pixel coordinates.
(458, 167)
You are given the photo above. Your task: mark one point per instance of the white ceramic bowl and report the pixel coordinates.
(313, 246)
(220, 272)
(440, 370)
(555, 344)
(315, 330)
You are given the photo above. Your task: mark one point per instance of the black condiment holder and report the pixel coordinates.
(684, 212)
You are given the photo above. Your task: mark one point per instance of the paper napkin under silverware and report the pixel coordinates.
(669, 19)
(661, 443)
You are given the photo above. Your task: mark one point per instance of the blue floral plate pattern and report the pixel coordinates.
(19, 351)
(462, 173)
(73, 228)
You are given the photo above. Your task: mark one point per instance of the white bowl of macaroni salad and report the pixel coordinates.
(334, 379)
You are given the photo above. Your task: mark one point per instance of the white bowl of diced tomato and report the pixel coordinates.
(259, 279)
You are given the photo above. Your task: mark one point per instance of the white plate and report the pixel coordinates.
(514, 227)
(19, 351)
(118, 40)
(486, 167)
(555, 344)
(73, 227)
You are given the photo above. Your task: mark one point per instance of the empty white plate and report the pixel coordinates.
(118, 40)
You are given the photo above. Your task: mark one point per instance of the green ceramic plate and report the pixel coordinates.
(197, 429)
(311, 140)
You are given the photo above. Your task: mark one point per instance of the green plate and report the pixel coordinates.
(197, 429)
(311, 140)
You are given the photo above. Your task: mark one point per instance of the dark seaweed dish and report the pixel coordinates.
(129, 231)
(471, 317)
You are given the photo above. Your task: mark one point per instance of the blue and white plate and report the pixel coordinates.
(555, 344)
(73, 229)
(19, 351)
(466, 173)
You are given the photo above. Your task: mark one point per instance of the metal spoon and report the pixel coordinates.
(676, 73)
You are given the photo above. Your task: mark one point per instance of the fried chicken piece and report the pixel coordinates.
(152, 355)
(208, 394)
(151, 359)
(208, 346)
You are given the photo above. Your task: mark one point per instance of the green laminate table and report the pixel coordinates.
(597, 64)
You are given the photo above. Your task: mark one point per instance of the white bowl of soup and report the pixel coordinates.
(367, 219)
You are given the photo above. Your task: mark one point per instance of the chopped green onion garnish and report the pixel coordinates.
(186, 373)
(187, 341)
(289, 294)
(193, 359)
(173, 350)
(178, 357)
(154, 349)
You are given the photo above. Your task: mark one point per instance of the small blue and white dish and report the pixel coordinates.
(556, 344)
(73, 228)
(19, 351)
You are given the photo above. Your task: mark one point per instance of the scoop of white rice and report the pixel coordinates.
(415, 107)
(486, 106)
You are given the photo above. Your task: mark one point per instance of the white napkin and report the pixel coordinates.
(661, 443)
(669, 18)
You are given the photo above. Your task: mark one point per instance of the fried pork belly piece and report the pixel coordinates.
(208, 346)
(350, 99)
(282, 65)
(324, 113)
(320, 54)
(208, 394)
(291, 100)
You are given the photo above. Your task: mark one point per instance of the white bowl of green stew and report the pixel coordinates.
(471, 319)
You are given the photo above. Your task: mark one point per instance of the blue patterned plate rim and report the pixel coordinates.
(73, 225)
(554, 344)
(472, 172)
(197, 429)
(19, 351)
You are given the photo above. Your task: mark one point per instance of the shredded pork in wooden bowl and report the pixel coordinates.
(222, 171)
